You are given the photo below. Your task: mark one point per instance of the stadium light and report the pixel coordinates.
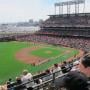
(68, 4)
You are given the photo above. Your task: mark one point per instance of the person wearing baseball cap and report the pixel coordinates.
(76, 80)
(86, 61)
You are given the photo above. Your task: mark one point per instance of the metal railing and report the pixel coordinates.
(48, 82)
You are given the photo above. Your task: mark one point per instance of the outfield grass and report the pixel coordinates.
(10, 67)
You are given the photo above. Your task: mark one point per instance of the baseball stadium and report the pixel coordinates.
(62, 38)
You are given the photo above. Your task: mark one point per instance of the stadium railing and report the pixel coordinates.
(47, 84)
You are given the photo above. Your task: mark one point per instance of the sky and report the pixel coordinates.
(23, 10)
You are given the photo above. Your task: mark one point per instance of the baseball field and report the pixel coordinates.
(16, 56)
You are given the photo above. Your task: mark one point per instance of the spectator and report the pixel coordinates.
(75, 81)
(28, 79)
(75, 65)
(48, 75)
(10, 84)
(39, 81)
(57, 69)
(86, 61)
(18, 84)
(85, 65)
(65, 67)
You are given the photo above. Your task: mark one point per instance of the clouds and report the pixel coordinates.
(22, 10)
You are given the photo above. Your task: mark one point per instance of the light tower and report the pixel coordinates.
(76, 3)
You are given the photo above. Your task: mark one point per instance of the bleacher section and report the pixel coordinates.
(49, 81)
(67, 25)
(73, 42)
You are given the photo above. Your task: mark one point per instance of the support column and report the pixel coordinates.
(75, 8)
(62, 9)
(59, 10)
(55, 10)
(84, 7)
(68, 9)
(78, 7)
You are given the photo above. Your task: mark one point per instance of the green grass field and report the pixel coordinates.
(46, 52)
(10, 67)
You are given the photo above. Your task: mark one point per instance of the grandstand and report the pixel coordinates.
(67, 25)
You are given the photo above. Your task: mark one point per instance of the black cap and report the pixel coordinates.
(86, 61)
(75, 81)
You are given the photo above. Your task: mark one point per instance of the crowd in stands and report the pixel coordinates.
(73, 25)
(67, 75)
(78, 43)
(58, 21)
(83, 32)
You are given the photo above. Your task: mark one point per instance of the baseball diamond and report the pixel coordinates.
(16, 56)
